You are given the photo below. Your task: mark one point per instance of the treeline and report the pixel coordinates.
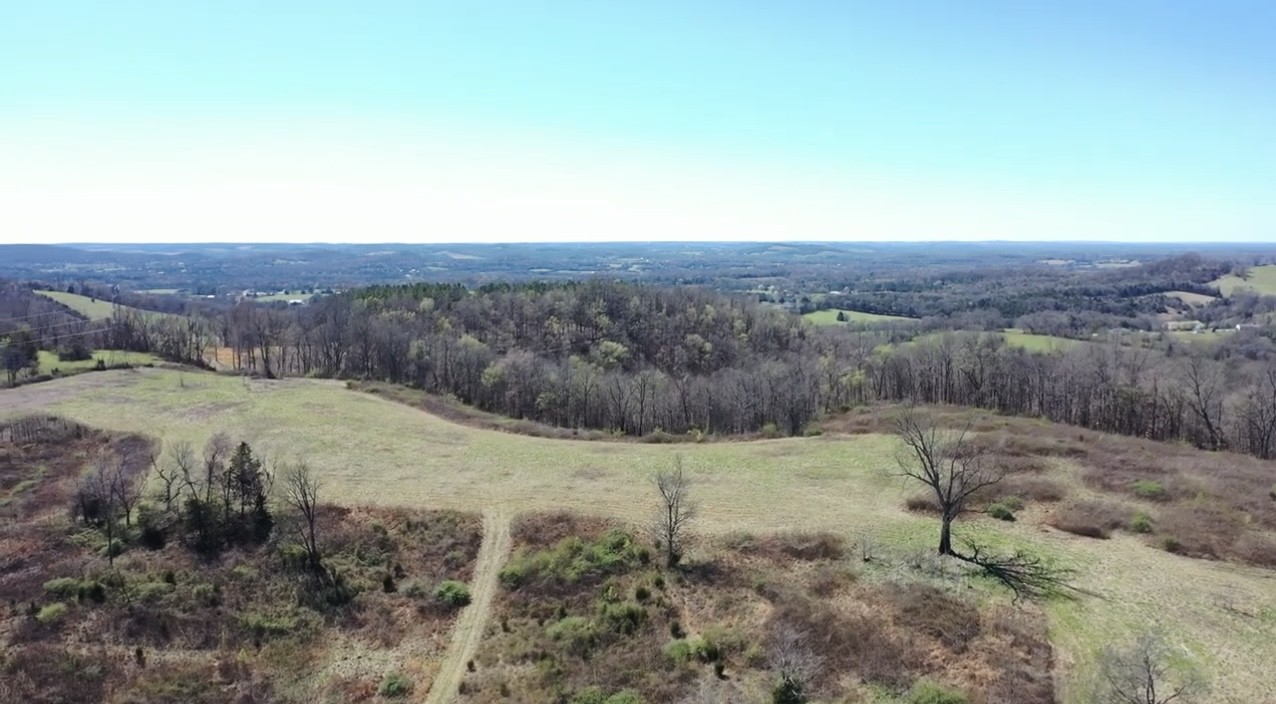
(637, 360)
(1114, 297)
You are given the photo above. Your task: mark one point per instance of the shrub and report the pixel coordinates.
(573, 559)
(1141, 523)
(1001, 512)
(262, 626)
(1272, 492)
(51, 613)
(577, 634)
(769, 431)
(1012, 502)
(705, 649)
(149, 592)
(927, 692)
(414, 591)
(678, 650)
(1148, 489)
(79, 589)
(1092, 519)
(596, 695)
(394, 686)
(922, 503)
(1171, 544)
(207, 594)
(453, 593)
(623, 618)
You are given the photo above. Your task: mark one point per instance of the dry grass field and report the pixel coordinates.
(373, 451)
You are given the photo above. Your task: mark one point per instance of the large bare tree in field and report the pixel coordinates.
(948, 463)
(676, 512)
(1146, 672)
(301, 493)
(954, 469)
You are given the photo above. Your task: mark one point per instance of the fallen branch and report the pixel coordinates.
(1023, 573)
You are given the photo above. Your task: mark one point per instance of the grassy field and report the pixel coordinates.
(372, 451)
(1192, 299)
(285, 297)
(1261, 279)
(93, 309)
(829, 317)
(50, 360)
(1038, 343)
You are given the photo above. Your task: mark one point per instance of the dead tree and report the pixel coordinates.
(174, 473)
(675, 513)
(1146, 672)
(301, 493)
(948, 463)
(796, 666)
(955, 469)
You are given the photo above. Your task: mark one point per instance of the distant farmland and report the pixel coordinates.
(92, 308)
(1260, 279)
(829, 317)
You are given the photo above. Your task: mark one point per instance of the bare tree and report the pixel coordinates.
(675, 514)
(796, 666)
(174, 472)
(1146, 672)
(301, 493)
(948, 463)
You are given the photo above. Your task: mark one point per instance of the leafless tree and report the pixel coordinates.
(948, 463)
(301, 493)
(795, 664)
(675, 513)
(1146, 672)
(174, 472)
(97, 500)
(1204, 386)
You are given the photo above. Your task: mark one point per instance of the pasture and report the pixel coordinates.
(1260, 279)
(829, 317)
(49, 361)
(372, 451)
(92, 308)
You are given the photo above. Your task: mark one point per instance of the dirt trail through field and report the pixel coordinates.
(469, 627)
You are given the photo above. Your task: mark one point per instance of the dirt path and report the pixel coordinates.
(469, 627)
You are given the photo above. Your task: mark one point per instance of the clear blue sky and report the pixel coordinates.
(422, 121)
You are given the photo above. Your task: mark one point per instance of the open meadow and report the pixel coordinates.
(829, 317)
(368, 450)
(92, 308)
(1260, 280)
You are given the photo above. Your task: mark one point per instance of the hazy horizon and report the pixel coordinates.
(1132, 121)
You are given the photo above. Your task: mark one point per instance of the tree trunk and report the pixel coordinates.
(946, 537)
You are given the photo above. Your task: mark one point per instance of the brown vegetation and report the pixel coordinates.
(749, 608)
(165, 624)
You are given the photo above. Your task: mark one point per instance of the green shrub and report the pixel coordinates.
(578, 635)
(678, 650)
(705, 649)
(1014, 503)
(770, 431)
(453, 593)
(81, 590)
(1148, 489)
(927, 692)
(1141, 523)
(150, 592)
(51, 613)
(596, 695)
(1001, 512)
(572, 560)
(414, 590)
(394, 686)
(207, 594)
(263, 626)
(623, 618)
(1171, 544)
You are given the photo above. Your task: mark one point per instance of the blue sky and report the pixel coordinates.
(421, 121)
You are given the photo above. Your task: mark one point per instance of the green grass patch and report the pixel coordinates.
(94, 308)
(50, 362)
(830, 317)
(1259, 279)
